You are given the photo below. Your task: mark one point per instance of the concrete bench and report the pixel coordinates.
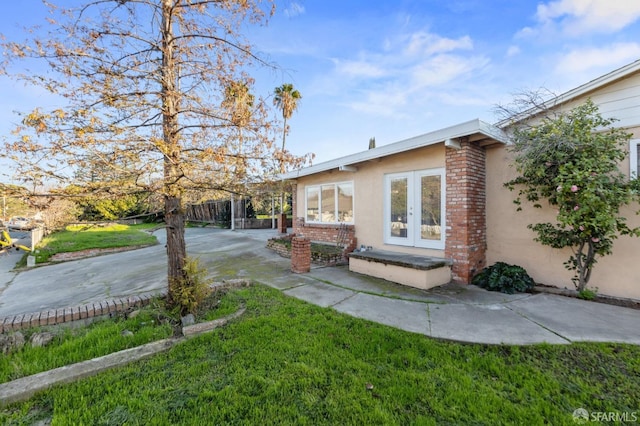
(422, 272)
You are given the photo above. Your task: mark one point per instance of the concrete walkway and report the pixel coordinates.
(452, 312)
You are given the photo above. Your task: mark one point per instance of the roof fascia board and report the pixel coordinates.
(438, 136)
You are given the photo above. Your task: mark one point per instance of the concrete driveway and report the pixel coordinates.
(461, 313)
(134, 272)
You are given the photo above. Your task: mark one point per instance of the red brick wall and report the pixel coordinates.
(326, 233)
(466, 239)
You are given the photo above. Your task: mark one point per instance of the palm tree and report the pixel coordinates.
(239, 101)
(286, 99)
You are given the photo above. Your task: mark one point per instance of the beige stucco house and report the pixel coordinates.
(440, 196)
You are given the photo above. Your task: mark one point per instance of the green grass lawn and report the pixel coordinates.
(288, 362)
(73, 345)
(82, 237)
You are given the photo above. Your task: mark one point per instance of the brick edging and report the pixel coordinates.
(75, 313)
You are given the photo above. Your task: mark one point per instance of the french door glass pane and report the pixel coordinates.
(399, 213)
(431, 215)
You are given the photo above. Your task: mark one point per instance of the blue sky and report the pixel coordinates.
(394, 69)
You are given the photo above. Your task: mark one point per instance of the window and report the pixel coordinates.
(634, 157)
(330, 203)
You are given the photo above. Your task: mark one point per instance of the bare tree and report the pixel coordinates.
(525, 107)
(143, 87)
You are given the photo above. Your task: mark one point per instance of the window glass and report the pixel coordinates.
(313, 204)
(634, 157)
(328, 203)
(345, 202)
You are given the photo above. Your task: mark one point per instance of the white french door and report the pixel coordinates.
(414, 208)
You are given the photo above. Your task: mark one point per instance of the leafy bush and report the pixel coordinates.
(186, 294)
(504, 278)
(588, 294)
(572, 160)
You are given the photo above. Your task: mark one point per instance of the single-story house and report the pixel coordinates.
(440, 196)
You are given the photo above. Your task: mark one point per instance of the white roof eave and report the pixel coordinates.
(572, 94)
(439, 136)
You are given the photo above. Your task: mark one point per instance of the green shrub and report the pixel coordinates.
(504, 278)
(588, 294)
(186, 294)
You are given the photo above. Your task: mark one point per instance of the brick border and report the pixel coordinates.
(95, 309)
(75, 313)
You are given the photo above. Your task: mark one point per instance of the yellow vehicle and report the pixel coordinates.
(7, 243)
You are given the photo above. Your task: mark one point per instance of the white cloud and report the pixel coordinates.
(423, 43)
(581, 60)
(578, 17)
(442, 69)
(513, 51)
(358, 68)
(407, 70)
(463, 99)
(294, 9)
(384, 103)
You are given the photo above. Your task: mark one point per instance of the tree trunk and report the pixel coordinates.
(174, 213)
(284, 138)
(584, 264)
(176, 247)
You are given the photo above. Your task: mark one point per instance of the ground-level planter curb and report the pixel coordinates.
(600, 298)
(25, 387)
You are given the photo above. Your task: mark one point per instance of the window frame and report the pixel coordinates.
(318, 188)
(634, 147)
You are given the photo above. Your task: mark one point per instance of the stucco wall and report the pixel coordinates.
(369, 193)
(509, 240)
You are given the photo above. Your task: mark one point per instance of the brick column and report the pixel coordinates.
(300, 255)
(282, 223)
(466, 238)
